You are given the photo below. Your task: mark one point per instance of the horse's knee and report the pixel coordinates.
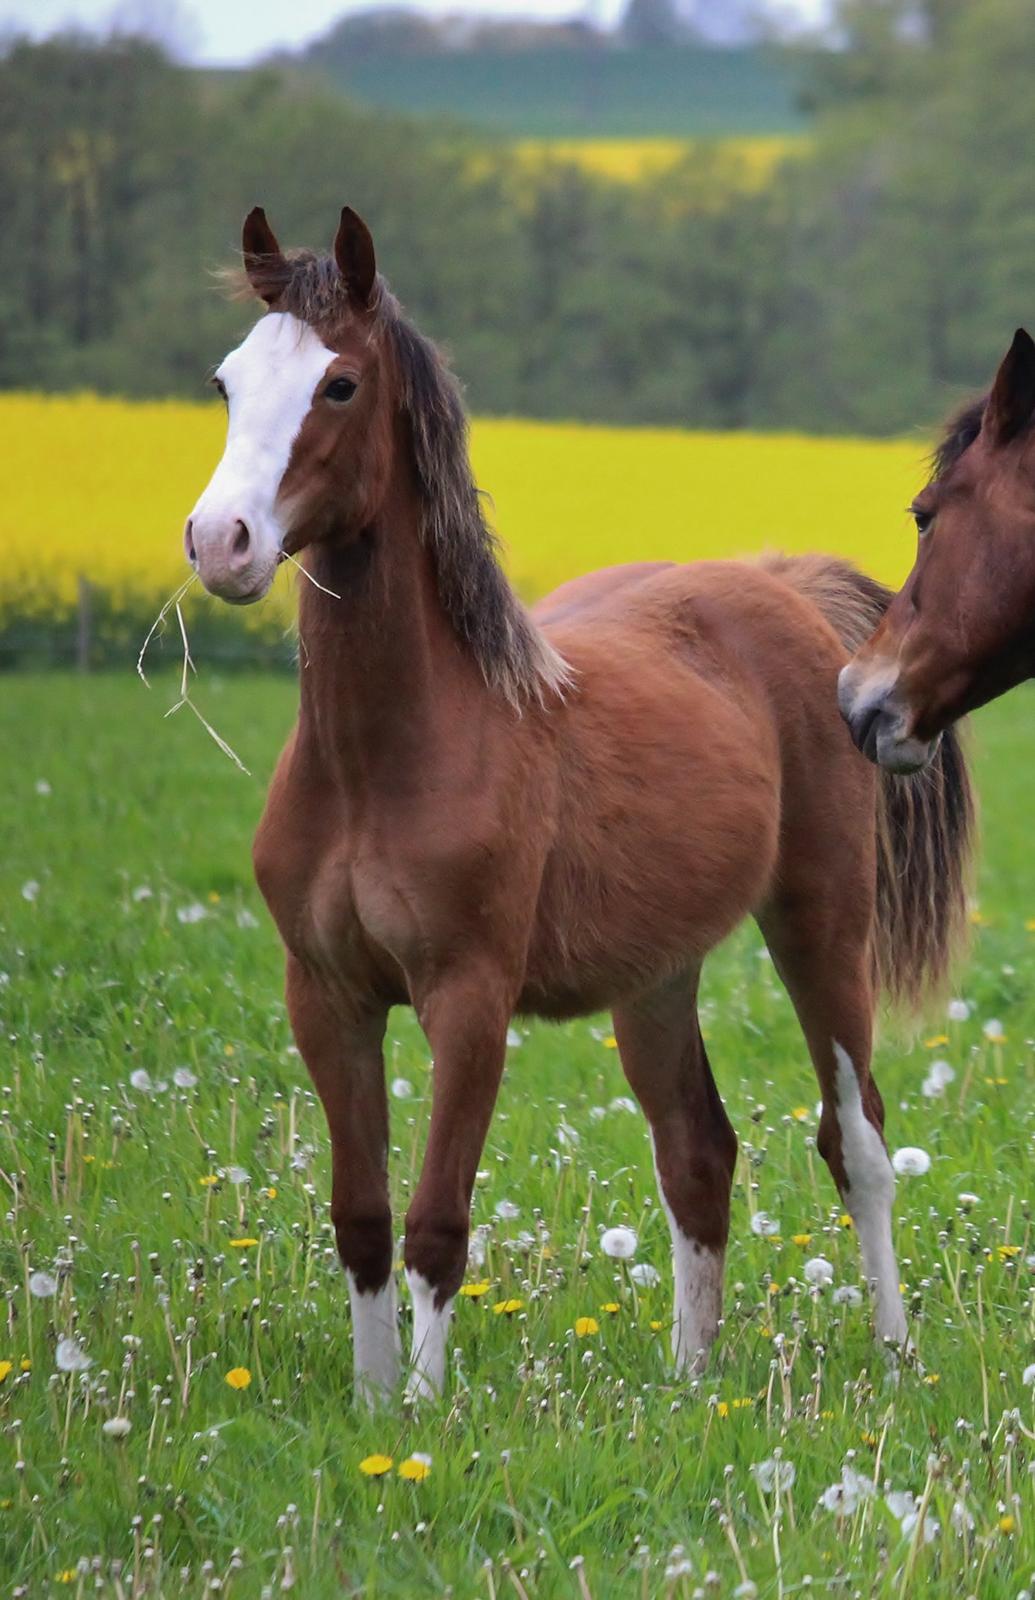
(364, 1240)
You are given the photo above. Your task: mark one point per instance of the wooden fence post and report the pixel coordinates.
(84, 625)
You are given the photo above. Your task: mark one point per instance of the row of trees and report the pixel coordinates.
(872, 280)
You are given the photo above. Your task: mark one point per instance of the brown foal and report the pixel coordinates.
(483, 811)
(962, 629)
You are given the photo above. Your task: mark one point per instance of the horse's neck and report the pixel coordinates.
(378, 658)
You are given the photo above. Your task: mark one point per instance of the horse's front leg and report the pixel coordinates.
(465, 1019)
(341, 1046)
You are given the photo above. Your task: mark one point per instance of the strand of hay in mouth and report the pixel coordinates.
(185, 699)
(306, 574)
(173, 603)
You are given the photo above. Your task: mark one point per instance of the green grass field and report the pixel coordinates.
(164, 1164)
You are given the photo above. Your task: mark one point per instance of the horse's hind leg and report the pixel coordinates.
(820, 943)
(695, 1151)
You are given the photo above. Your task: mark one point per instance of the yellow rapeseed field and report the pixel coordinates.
(630, 160)
(100, 488)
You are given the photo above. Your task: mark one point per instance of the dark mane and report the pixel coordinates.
(959, 436)
(513, 655)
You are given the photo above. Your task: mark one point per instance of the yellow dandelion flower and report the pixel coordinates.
(935, 1041)
(6, 1503)
(978, 919)
(611, 1307)
(242, 1244)
(271, 1192)
(5, 1368)
(375, 1466)
(844, 1220)
(585, 1326)
(767, 1333)
(800, 1113)
(723, 1408)
(228, 1050)
(803, 1240)
(1030, 924)
(548, 1252)
(932, 1378)
(507, 1308)
(739, 1405)
(474, 1291)
(88, 1159)
(1006, 1252)
(25, 1364)
(1007, 1524)
(774, 1288)
(415, 1468)
(238, 1377)
(69, 1575)
(656, 1326)
(214, 897)
(610, 1043)
(208, 1180)
(869, 1439)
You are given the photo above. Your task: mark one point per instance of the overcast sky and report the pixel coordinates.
(239, 30)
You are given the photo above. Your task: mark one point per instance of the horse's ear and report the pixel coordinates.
(354, 253)
(1011, 404)
(264, 261)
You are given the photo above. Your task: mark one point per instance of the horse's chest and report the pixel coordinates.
(347, 915)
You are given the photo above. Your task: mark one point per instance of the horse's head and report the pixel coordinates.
(962, 628)
(306, 413)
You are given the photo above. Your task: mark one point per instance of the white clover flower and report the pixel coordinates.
(819, 1272)
(911, 1162)
(402, 1089)
(42, 1285)
(940, 1074)
(506, 1210)
(140, 1079)
(765, 1226)
(847, 1295)
(30, 890)
(514, 1039)
(959, 1011)
(992, 1029)
(239, 1176)
(195, 912)
(43, 787)
(246, 918)
(967, 1199)
(184, 1078)
(644, 1275)
(775, 1471)
(620, 1243)
(71, 1357)
(116, 1427)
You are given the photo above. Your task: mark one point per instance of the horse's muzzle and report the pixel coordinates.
(878, 722)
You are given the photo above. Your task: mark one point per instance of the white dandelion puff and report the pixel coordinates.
(140, 1079)
(992, 1029)
(506, 1210)
(195, 912)
(238, 1175)
(847, 1295)
(71, 1357)
(116, 1427)
(911, 1161)
(819, 1273)
(644, 1275)
(620, 1243)
(184, 1078)
(402, 1089)
(30, 890)
(940, 1074)
(246, 918)
(42, 1285)
(43, 787)
(959, 1011)
(143, 891)
(775, 1471)
(514, 1039)
(765, 1226)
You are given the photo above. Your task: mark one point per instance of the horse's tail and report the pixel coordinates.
(925, 823)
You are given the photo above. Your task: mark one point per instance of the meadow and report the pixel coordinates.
(175, 1412)
(102, 488)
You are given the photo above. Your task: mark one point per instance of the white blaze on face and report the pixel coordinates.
(871, 1192)
(270, 381)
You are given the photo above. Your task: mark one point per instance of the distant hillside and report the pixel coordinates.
(687, 92)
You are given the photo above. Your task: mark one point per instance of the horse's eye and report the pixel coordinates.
(340, 390)
(923, 520)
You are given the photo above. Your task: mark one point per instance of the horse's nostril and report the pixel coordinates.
(188, 543)
(242, 540)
